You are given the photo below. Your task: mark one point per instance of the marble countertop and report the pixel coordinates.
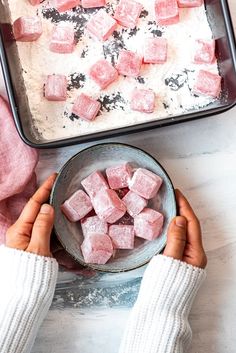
(200, 157)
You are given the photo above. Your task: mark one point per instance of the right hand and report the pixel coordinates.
(184, 237)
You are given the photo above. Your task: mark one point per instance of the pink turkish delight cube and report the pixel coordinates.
(103, 73)
(108, 206)
(92, 225)
(119, 176)
(129, 63)
(134, 203)
(77, 206)
(190, 3)
(94, 183)
(86, 107)
(64, 5)
(87, 4)
(207, 84)
(167, 12)
(155, 50)
(145, 183)
(27, 29)
(143, 100)
(101, 25)
(56, 88)
(63, 39)
(204, 51)
(97, 249)
(35, 2)
(127, 13)
(148, 224)
(122, 236)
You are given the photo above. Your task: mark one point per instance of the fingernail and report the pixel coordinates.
(180, 222)
(46, 209)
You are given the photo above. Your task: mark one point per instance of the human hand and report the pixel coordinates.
(184, 238)
(32, 231)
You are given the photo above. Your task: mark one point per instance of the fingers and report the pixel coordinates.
(176, 238)
(32, 208)
(193, 226)
(41, 232)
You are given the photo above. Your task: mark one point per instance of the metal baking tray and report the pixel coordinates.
(220, 21)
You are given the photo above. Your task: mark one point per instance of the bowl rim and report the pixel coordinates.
(51, 200)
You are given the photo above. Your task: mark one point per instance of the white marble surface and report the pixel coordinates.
(200, 157)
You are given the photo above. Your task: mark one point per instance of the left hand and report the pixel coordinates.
(32, 231)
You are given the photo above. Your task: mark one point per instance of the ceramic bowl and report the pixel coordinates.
(99, 157)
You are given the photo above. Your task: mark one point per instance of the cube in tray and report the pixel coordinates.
(101, 25)
(88, 4)
(56, 88)
(129, 63)
(27, 29)
(167, 12)
(207, 84)
(64, 5)
(127, 13)
(143, 100)
(103, 73)
(155, 50)
(204, 51)
(63, 39)
(190, 3)
(86, 107)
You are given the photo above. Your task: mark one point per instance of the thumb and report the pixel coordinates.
(41, 232)
(176, 238)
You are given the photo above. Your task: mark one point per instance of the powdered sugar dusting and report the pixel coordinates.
(172, 82)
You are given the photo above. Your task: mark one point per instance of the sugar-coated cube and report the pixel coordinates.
(77, 206)
(56, 88)
(167, 12)
(86, 107)
(97, 249)
(27, 29)
(87, 4)
(92, 225)
(108, 206)
(129, 63)
(119, 176)
(63, 39)
(122, 236)
(64, 5)
(143, 100)
(190, 3)
(101, 25)
(155, 50)
(145, 183)
(207, 84)
(204, 51)
(94, 183)
(35, 2)
(103, 73)
(127, 13)
(134, 203)
(148, 224)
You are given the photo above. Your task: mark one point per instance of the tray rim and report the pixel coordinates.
(126, 129)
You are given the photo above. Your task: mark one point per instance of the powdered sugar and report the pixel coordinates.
(172, 82)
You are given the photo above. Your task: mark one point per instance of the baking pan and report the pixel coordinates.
(220, 21)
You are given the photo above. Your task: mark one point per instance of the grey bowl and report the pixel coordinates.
(100, 157)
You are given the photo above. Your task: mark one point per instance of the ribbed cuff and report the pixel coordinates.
(159, 319)
(27, 286)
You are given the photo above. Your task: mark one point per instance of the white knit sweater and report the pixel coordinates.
(158, 322)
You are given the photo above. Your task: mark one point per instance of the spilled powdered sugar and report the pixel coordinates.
(172, 81)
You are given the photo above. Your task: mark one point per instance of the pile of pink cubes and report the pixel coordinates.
(101, 26)
(123, 192)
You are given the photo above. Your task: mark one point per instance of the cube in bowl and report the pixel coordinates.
(129, 63)
(155, 50)
(27, 29)
(167, 12)
(190, 3)
(94, 224)
(77, 206)
(134, 203)
(204, 51)
(207, 84)
(108, 206)
(64, 5)
(56, 88)
(103, 73)
(145, 183)
(86, 107)
(122, 236)
(97, 249)
(148, 224)
(119, 176)
(63, 39)
(101, 25)
(94, 183)
(143, 100)
(127, 13)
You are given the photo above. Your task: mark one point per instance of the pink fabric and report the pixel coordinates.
(17, 177)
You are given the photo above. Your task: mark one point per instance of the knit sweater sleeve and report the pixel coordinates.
(159, 320)
(27, 283)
